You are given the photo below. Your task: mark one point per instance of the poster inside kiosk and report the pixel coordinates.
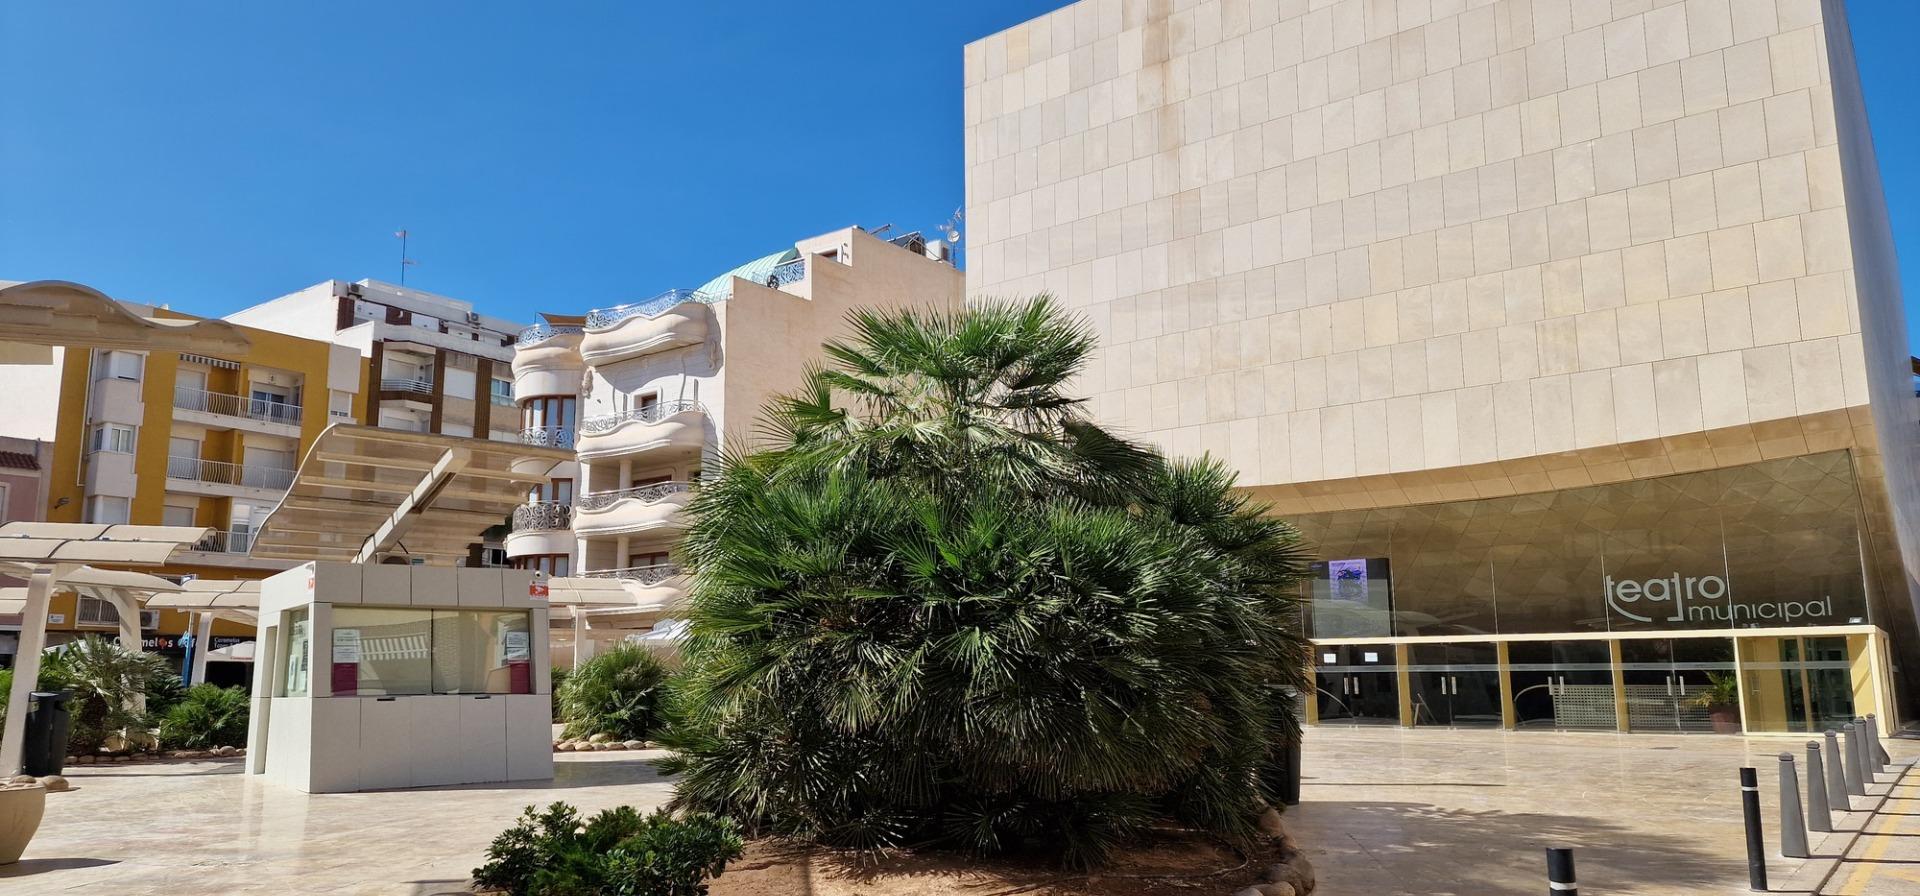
(346, 661)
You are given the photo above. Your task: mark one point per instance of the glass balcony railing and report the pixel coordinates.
(602, 318)
(653, 413)
(272, 411)
(412, 385)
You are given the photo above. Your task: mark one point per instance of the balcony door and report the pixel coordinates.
(183, 458)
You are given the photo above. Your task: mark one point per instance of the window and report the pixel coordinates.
(172, 515)
(93, 611)
(339, 403)
(117, 365)
(551, 564)
(115, 437)
(559, 491)
(6, 502)
(502, 392)
(651, 558)
(647, 402)
(550, 411)
(108, 509)
(385, 651)
(298, 652)
(273, 404)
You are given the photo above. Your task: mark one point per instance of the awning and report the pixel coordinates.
(57, 312)
(24, 545)
(235, 653)
(363, 492)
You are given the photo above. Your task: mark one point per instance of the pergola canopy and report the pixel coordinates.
(362, 492)
(24, 545)
(47, 313)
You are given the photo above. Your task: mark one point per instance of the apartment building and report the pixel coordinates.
(23, 497)
(434, 364)
(178, 439)
(648, 392)
(1568, 333)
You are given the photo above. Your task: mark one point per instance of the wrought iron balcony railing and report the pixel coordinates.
(225, 542)
(602, 318)
(546, 516)
(190, 399)
(646, 494)
(787, 272)
(542, 332)
(194, 469)
(547, 436)
(645, 575)
(653, 413)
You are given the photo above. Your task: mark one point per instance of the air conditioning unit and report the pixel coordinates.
(149, 619)
(473, 317)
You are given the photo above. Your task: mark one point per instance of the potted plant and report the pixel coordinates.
(1722, 702)
(21, 806)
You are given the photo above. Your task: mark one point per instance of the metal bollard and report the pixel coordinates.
(1756, 841)
(1881, 758)
(1819, 812)
(1560, 880)
(1850, 751)
(1836, 783)
(1793, 825)
(1863, 748)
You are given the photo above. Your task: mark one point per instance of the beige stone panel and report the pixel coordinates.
(1783, 186)
(1450, 308)
(1552, 398)
(1375, 371)
(1586, 56)
(1474, 407)
(1689, 265)
(1613, 164)
(1729, 320)
(1620, 104)
(1789, 123)
(1519, 353)
(1533, 177)
(1823, 302)
(1736, 194)
(1498, 191)
(1676, 386)
(1439, 429)
(1558, 344)
(1608, 221)
(1276, 454)
(1743, 133)
(1795, 58)
(1633, 402)
(1480, 357)
(1444, 363)
(1824, 186)
(1683, 327)
(1527, 236)
(1454, 246)
(1826, 236)
(1666, 34)
(1694, 210)
(1513, 420)
(1372, 451)
(1567, 230)
(1640, 338)
(1342, 378)
(1703, 81)
(1723, 389)
(1735, 262)
(1414, 312)
(1661, 97)
(1817, 383)
(1597, 335)
(1650, 212)
(1409, 376)
(1593, 414)
(1776, 312)
(1558, 283)
(1853, 372)
(1749, 71)
(1602, 280)
(1656, 154)
(1780, 249)
(1338, 452)
(1276, 381)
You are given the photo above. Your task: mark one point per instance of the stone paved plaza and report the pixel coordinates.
(1387, 812)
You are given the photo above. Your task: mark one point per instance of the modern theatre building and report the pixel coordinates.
(1568, 332)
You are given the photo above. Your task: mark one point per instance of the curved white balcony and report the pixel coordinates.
(656, 589)
(542, 528)
(672, 319)
(669, 428)
(646, 508)
(546, 361)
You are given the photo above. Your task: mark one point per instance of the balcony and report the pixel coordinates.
(656, 588)
(667, 427)
(655, 507)
(541, 528)
(283, 415)
(221, 478)
(407, 386)
(546, 361)
(542, 332)
(672, 319)
(547, 436)
(224, 542)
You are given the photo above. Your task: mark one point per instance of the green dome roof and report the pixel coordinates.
(757, 271)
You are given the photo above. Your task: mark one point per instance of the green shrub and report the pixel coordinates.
(944, 607)
(617, 693)
(618, 852)
(164, 691)
(558, 679)
(208, 716)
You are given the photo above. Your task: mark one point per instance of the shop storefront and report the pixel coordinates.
(1729, 600)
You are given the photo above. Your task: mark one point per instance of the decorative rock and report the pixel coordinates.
(22, 779)
(1272, 826)
(115, 743)
(1249, 891)
(635, 745)
(600, 738)
(55, 784)
(1289, 874)
(1277, 890)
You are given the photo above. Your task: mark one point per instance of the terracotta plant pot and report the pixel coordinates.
(1726, 719)
(21, 806)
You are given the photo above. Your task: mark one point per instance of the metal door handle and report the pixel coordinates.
(1683, 687)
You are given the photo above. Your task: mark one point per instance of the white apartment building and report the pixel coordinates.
(648, 392)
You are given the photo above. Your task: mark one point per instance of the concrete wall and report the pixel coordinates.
(30, 403)
(1373, 238)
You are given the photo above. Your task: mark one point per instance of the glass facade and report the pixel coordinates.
(1772, 544)
(388, 651)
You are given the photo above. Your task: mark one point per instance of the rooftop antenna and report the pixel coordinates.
(405, 262)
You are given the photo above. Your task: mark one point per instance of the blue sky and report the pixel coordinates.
(544, 156)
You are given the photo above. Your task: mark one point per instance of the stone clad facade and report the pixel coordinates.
(1386, 252)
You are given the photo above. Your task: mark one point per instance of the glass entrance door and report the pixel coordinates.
(1680, 685)
(1357, 684)
(1456, 684)
(1797, 684)
(1565, 685)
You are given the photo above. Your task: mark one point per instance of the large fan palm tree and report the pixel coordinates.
(946, 606)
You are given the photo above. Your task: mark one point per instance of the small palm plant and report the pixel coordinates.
(945, 606)
(109, 683)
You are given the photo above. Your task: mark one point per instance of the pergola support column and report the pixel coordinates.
(202, 643)
(26, 668)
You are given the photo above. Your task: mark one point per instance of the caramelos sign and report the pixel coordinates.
(1702, 599)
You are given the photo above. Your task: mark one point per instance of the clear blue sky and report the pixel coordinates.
(544, 156)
